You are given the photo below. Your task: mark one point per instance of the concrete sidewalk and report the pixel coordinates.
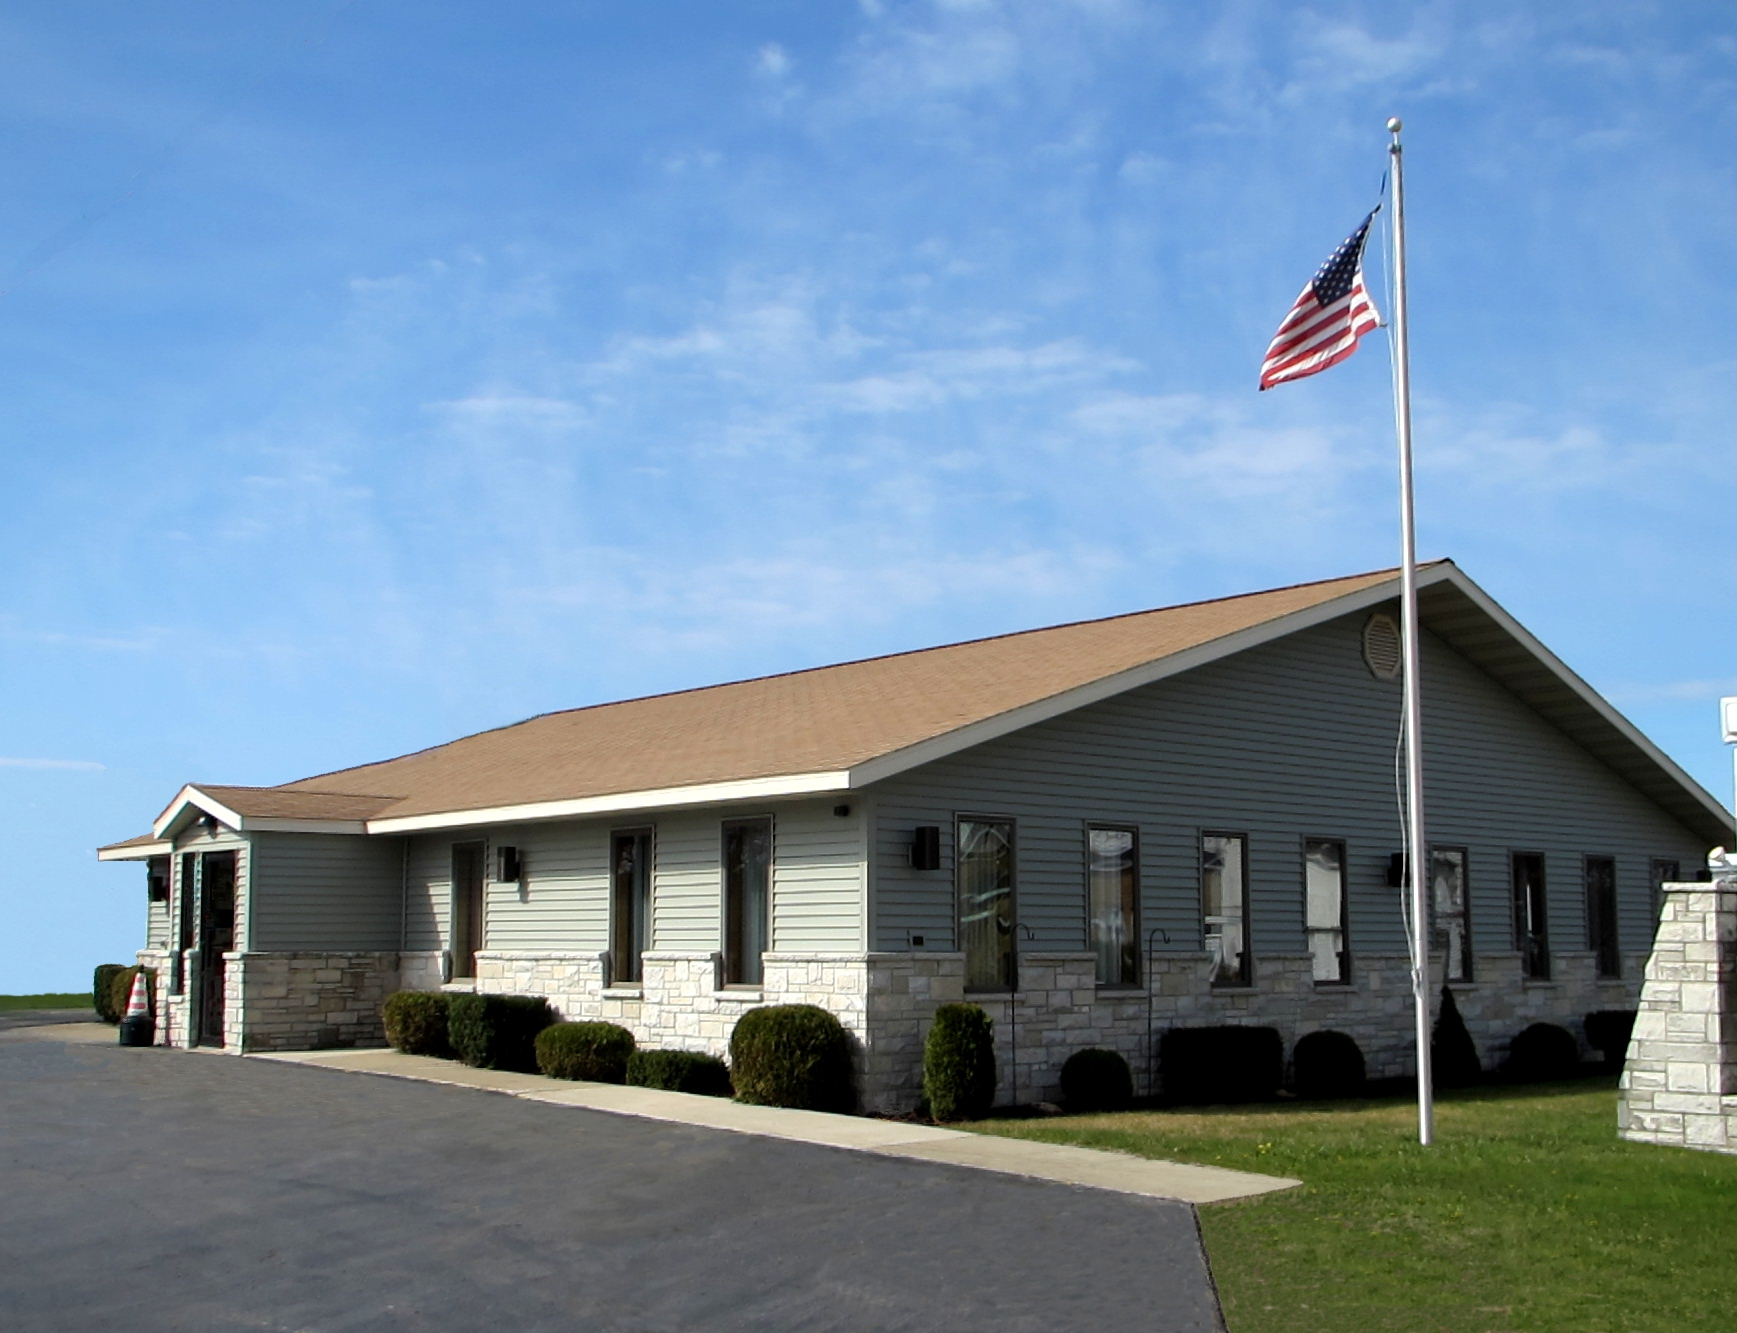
(1062, 1163)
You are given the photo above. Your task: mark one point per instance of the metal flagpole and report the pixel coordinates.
(1418, 867)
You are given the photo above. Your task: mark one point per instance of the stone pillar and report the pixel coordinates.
(1678, 1083)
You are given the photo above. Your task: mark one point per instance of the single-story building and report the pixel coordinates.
(1097, 831)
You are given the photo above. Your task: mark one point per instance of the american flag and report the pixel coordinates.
(1324, 325)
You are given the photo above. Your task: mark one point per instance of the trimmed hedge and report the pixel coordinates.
(1608, 1032)
(792, 1055)
(679, 1071)
(1453, 1056)
(1096, 1080)
(416, 1022)
(1221, 1064)
(1327, 1065)
(121, 990)
(595, 1052)
(1542, 1053)
(497, 1031)
(102, 992)
(959, 1063)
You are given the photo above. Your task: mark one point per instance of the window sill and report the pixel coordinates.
(624, 992)
(1233, 990)
(1539, 983)
(1336, 986)
(461, 986)
(745, 994)
(1121, 988)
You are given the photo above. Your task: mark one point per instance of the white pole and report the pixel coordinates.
(1413, 701)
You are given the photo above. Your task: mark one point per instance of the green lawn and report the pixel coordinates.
(1528, 1214)
(53, 1000)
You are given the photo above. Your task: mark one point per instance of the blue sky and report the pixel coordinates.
(375, 372)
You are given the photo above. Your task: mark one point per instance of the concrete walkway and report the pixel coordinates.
(1063, 1163)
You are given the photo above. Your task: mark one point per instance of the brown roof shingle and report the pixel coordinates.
(820, 720)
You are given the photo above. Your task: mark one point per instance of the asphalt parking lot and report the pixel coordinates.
(154, 1189)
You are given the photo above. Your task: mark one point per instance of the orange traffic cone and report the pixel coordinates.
(137, 1029)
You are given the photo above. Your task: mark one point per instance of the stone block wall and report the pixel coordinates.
(887, 1000)
(174, 1016)
(1679, 1084)
(306, 1001)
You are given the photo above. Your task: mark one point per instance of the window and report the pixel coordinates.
(1224, 907)
(1665, 872)
(1324, 910)
(1113, 889)
(629, 904)
(1601, 915)
(157, 879)
(985, 887)
(747, 900)
(1531, 937)
(1452, 908)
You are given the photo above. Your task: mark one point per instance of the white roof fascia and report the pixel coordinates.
(708, 793)
(192, 796)
(992, 728)
(1591, 697)
(138, 852)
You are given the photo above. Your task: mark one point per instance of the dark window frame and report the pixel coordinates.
(1438, 936)
(187, 900)
(1344, 977)
(1535, 962)
(740, 970)
(1246, 980)
(1010, 984)
(1603, 924)
(1126, 982)
(626, 966)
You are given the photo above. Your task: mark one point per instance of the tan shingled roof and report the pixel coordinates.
(821, 720)
(286, 803)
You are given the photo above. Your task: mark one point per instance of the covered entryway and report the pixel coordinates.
(216, 937)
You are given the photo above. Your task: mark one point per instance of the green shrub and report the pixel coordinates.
(959, 1063)
(792, 1055)
(1096, 1080)
(497, 1031)
(416, 1022)
(1221, 1064)
(1608, 1032)
(1453, 1057)
(1327, 1065)
(1542, 1053)
(121, 990)
(679, 1071)
(594, 1052)
(102, 992)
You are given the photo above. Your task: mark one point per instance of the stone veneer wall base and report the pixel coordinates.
(1680, 1078)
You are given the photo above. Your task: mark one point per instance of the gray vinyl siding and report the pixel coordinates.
(157, 914)
(325, 891)
(428, 892)
(563, 902)
(817, 879)
(687, 887)
(1291, 740)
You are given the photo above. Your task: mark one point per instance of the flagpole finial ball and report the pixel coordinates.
(1394, 125)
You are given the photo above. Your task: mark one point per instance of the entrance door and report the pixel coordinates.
(216, 935)
(467, 906)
